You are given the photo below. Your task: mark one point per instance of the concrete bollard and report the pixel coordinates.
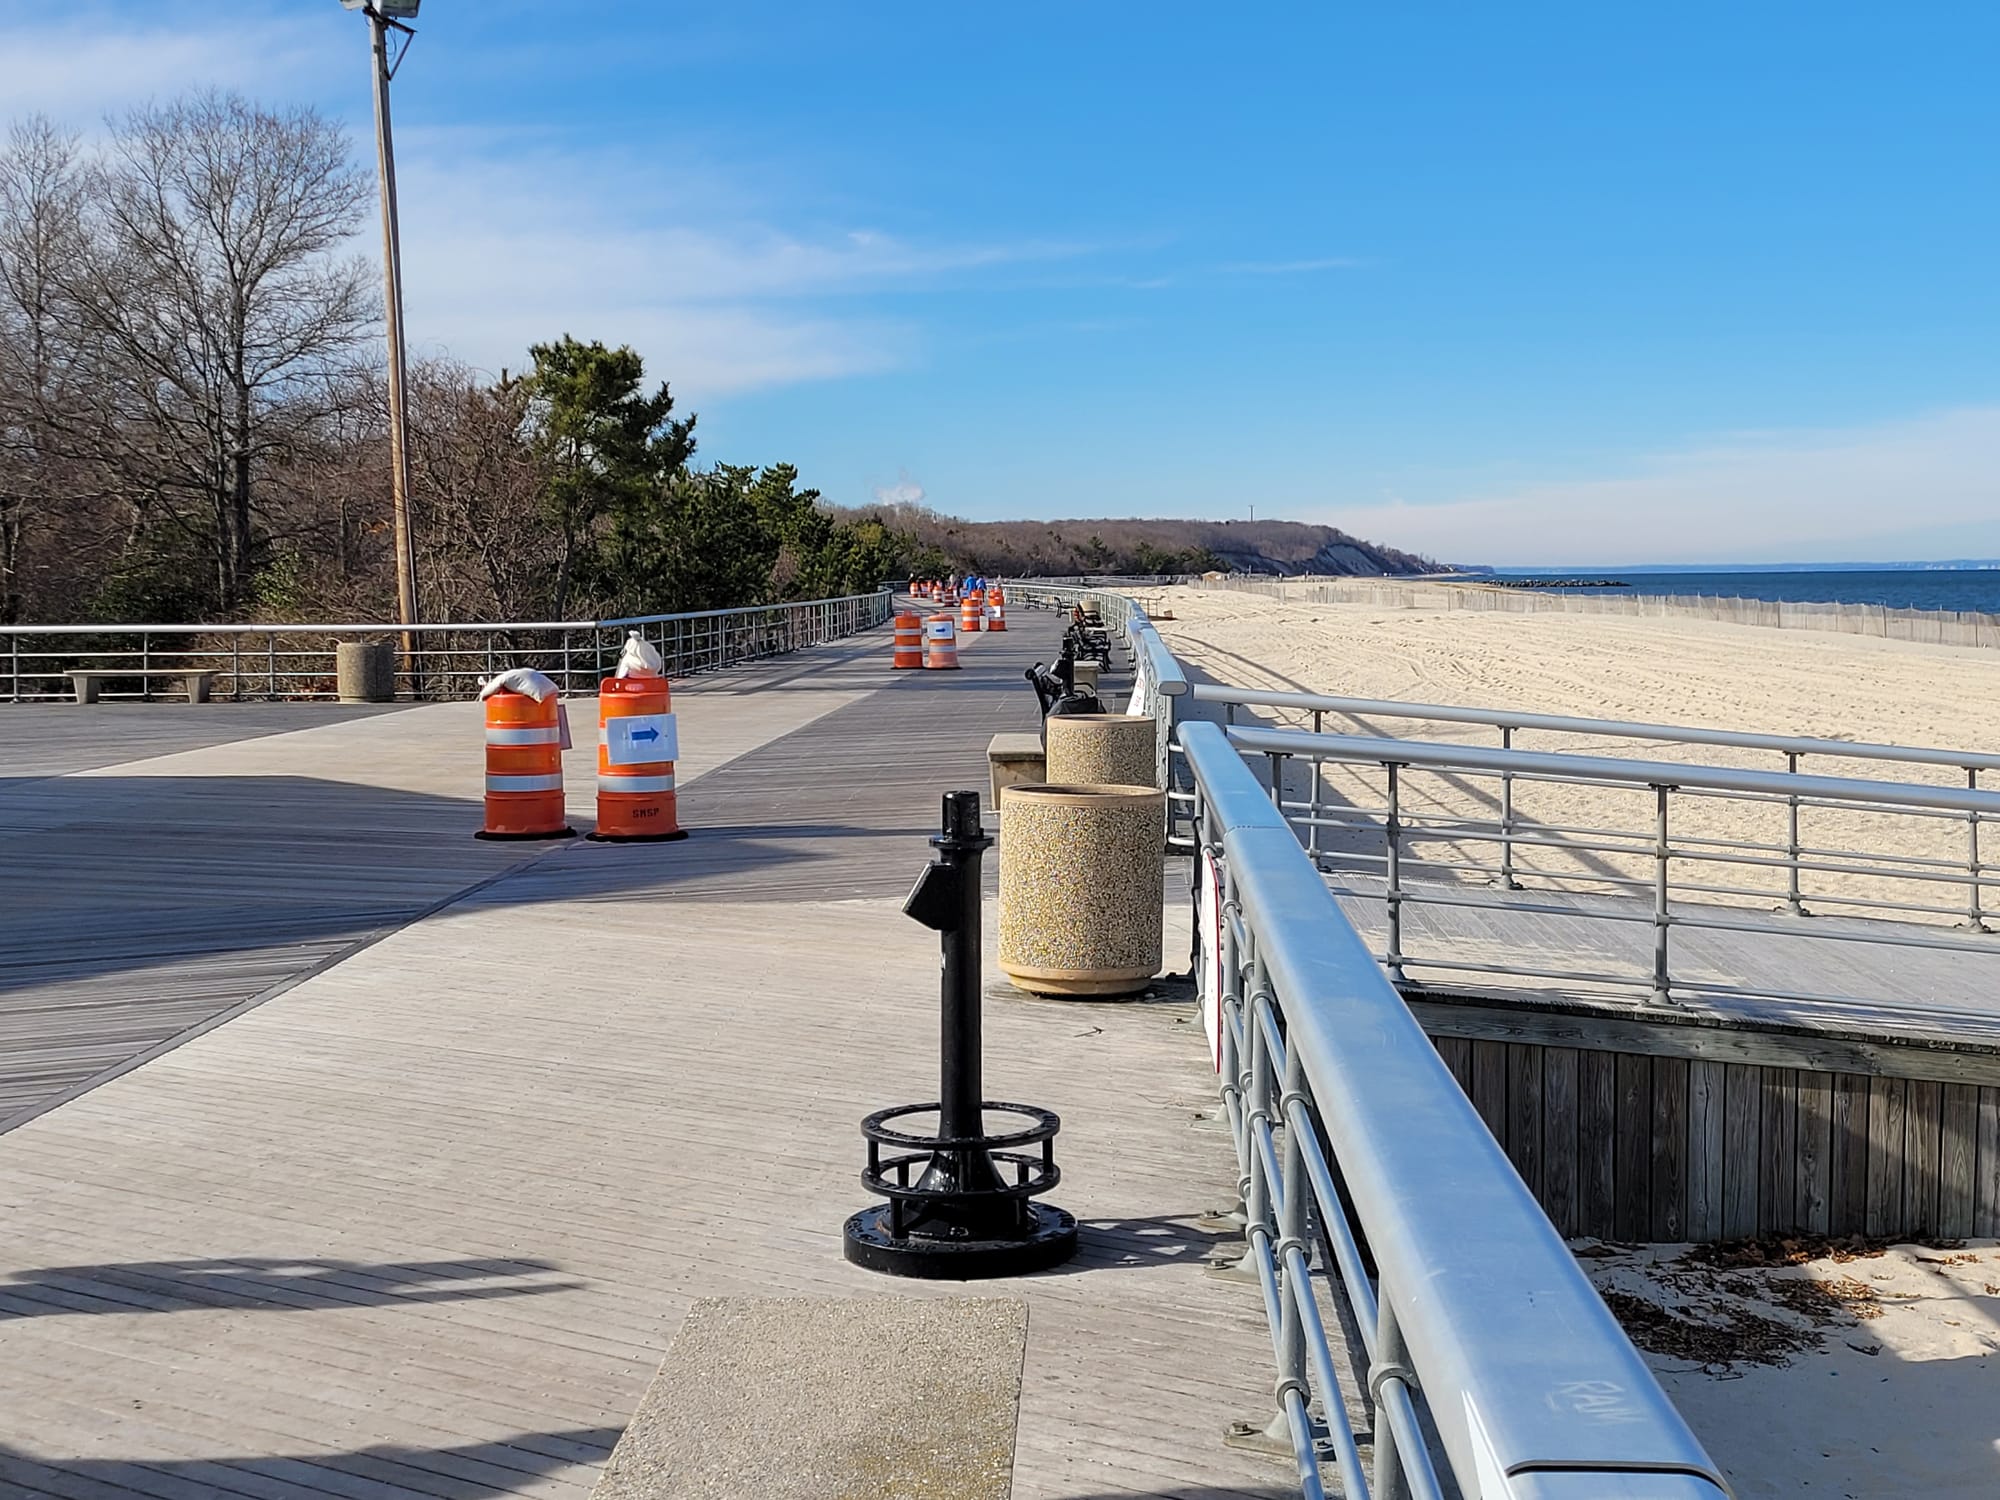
(1082, 887)
(365, 671)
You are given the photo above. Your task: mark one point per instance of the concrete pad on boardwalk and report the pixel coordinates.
(809, 1398)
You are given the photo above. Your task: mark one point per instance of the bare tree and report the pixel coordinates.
(215, 288)
(46, 398)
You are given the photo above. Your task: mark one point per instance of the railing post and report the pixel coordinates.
(271, 666)
(1507, 880)
(236, 666)
(1975, 912)
(1293, 1234)
(1392, 839)
(1391, 1363)
(1277, 763)
(1312, 806)
(1663, 990)
(1792, 894)
(14, 669)
(145, 665)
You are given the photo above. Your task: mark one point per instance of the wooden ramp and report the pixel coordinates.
(425, 1224)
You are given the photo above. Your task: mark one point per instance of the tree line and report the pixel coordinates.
(193, 421)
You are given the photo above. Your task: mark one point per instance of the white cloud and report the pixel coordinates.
(1924, 487)
(76, 70)
(514, 242)
(905, 491)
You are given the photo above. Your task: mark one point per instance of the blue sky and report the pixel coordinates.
(1529, 283)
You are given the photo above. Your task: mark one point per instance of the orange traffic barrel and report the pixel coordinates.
(909, 642)
(940, 643)
(524, 783)
(996, 611)
(636, 746)
(972, 612)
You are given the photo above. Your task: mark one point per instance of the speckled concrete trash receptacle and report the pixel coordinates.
(1103, 750)
(365, 672)
(1081, 888)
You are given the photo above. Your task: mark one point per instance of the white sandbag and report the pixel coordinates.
(521, 680)
(639, 659)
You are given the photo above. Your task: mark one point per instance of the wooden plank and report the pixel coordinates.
(1777, 1167)
(1699, 1036)
(1742, 1118)
(1489, 1086)
(1886, 1107)
(1456, 1052)
(1596, 1130)
(1524, 1113)
(1670, 1147)
(1813, 1192)
(1847, 1153)
(1559, 1116)
(1923, 1134)
(1958, 1160)
(1632, 1181)
(1986, 1170)
(1705, 1169)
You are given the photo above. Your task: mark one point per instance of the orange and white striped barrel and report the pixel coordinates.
(996, 610)
(972, 612)
(940, 643)
(909, 642)
(636, 746)
(524, 783)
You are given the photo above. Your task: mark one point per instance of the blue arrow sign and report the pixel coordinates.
(645, 734)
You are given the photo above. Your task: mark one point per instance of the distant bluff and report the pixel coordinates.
(936, 542)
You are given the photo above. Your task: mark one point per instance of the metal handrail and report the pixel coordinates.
(1613, 770)
(1354, 1141)
(1405, 835)
(450, 658)
(1508, 719)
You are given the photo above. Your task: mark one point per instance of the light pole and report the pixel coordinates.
(384, 16)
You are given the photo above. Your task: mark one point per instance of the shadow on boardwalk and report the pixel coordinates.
(505, 1466)
(280, 1285)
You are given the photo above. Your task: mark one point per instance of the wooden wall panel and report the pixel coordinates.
(1887, 1105)
(1559, 1102)
(1705, 1092)
(1596, 1128)
(1524, 1112)
(1847, 1213)
(1742, 1115)
(1637, 1147)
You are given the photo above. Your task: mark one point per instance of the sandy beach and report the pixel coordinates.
(1694, 672)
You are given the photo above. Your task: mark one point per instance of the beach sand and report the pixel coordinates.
(1693, 672)
(1872, 1376)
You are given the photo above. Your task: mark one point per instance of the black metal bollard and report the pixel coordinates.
(969, 1213)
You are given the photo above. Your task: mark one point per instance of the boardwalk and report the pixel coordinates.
(423, 1221)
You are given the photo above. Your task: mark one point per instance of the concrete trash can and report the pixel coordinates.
(1103, 750)
(1082, 884)
(365, 671)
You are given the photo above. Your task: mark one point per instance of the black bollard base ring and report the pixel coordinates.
(1050, 1240)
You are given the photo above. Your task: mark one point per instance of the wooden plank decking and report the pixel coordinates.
(423, 1224)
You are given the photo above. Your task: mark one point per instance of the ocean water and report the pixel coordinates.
(1901, 588)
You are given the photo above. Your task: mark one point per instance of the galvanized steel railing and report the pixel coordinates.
(448, 661)
(1368, 1177)
(1691, 882)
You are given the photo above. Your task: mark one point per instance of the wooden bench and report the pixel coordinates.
(195, 684)
(1013, 759)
